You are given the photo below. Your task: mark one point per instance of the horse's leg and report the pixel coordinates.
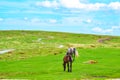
(68, 66)
(64, 65)
(70, 63)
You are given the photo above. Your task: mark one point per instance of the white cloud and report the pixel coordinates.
(112, 29)
(98, 29)
(52, 20)
(1, 19)
(35, 20)
(95, 6)
(72, 21)
(77, 4)
(71, 4)
(43, 21)
(25, 18)
(47, 4)
(114, 5)
(115, 27)
(88, 20)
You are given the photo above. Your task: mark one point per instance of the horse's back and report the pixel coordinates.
(66, 58)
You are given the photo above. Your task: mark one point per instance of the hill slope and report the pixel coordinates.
(38, 55)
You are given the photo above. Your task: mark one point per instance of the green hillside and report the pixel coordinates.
(38, 55)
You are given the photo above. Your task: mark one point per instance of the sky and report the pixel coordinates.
(100, 17)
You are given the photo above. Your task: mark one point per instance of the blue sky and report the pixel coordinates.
(76, 16)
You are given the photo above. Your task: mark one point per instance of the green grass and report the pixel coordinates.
(36, 59)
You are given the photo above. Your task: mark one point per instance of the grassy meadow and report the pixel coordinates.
(38, 55)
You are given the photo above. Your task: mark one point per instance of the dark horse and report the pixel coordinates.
(68, 59)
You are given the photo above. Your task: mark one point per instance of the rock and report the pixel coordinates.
(60, 46)
(7, 51)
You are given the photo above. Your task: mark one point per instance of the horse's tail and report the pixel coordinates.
(76, 53)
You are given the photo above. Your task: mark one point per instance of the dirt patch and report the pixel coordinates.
(102, 40)
(90, 62)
